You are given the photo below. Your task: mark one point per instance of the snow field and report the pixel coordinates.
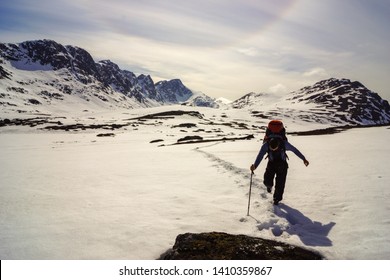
(78, 196)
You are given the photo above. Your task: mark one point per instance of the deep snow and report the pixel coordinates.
(72, 195)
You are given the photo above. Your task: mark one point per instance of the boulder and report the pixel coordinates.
(224, 246)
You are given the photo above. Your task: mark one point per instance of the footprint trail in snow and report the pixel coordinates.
(261, 209)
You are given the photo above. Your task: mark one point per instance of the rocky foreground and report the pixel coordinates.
(224, 246)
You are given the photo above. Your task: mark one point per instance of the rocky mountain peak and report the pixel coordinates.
(50, 55)
(173, 91)
(343, 95)
(337, 86)
(112, 76)
(146, 85)
(30, 55)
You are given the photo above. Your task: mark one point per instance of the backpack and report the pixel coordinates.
(276, 129)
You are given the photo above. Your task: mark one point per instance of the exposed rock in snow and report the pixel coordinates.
(224, 246)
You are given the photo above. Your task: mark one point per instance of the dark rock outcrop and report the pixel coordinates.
(224, 246)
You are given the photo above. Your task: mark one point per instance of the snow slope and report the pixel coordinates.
(73, 195)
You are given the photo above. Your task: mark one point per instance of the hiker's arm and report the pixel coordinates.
(290, 147)
(260, 156)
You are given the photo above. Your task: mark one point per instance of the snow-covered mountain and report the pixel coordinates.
(254, 99)
(349, 101)
(43, 77)
(44, 72)
(332, 101)
(199, 99)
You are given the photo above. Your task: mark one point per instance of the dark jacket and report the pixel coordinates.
(287, 146)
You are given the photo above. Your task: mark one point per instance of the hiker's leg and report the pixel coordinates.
(281, 175)
(269, 174)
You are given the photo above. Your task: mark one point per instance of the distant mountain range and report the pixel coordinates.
(56, 70)
(42, 74)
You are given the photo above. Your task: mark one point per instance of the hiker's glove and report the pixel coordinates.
(253, 167)
(305, 162)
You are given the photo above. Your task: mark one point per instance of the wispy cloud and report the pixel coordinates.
(317, 72)
(278, 89)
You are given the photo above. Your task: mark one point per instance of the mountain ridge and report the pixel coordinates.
(106, 76)
(43, 75)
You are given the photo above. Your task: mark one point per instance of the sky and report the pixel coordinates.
(223, 48)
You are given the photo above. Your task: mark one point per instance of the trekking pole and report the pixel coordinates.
(250, 191)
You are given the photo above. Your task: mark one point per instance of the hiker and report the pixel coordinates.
(276, 147)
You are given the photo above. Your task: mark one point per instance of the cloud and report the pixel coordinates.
(201, 23)
(248, 51)
(220, 47)
(316, 72)
(278, 89)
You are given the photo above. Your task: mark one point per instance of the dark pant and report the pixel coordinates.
(278, 168)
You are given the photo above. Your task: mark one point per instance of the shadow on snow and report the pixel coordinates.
(311, 233)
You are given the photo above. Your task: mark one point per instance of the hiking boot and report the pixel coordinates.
(276, 202)
(269, 189)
